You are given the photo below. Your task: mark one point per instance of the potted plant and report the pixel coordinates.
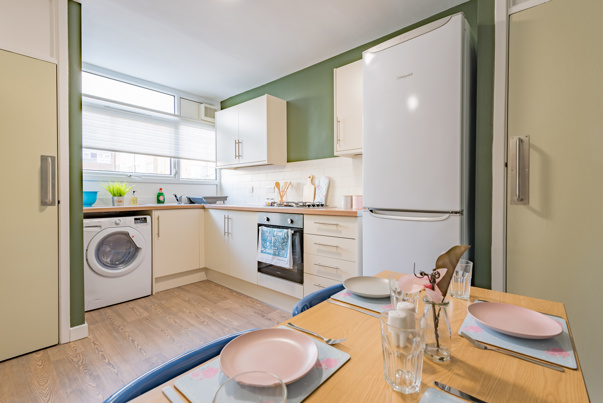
(118, 190)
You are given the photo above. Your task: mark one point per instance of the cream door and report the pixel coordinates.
(29, 237)
(176, 241)
(216, 240)
(243, 245)
(348, 109)
(227, 136)
(556, 98)
(253, 131)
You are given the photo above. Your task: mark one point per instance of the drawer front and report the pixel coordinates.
(335, 269)
(345, 227)
(337, 248)
(315, 283)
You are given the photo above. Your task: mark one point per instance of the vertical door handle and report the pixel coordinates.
(224, 225)
(519, 158)
(235, 148)
(48, 175)
(228, 223)
(338, 131)
(239, 148)
(158, 228)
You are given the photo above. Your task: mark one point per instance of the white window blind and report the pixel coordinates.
(133, 130)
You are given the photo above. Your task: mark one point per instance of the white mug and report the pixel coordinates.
(346, 202)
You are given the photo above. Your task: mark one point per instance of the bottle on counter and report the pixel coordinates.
(160, 197)
(133, 199)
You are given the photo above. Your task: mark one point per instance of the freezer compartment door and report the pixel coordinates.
(396, 241)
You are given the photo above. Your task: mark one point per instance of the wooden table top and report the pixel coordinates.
(487, 375)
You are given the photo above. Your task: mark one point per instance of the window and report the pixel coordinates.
(127, 129)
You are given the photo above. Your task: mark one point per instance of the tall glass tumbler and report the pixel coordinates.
(396, 295)
(402, 341)
(460, 286)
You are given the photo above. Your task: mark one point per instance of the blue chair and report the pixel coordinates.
(316, 298)
(172, 368)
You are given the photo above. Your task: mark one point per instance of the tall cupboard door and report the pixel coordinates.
(348, 109)
(227, 136)
(243, 245)
(253, 129)
(555, 98)
(29, 237)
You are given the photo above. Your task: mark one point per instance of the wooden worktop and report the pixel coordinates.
(148, 207)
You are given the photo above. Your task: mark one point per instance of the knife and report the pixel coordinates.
(457, 392)
(355, 309)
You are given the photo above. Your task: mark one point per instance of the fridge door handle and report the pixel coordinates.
(48, 182)
(442, 217)
(519, 164)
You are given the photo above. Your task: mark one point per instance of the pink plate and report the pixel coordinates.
(285, 353)
(515, 320)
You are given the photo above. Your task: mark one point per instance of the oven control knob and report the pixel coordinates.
(266, 219)
(117, 221)
(290, 220)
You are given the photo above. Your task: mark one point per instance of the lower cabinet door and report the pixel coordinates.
(315, 283)
(216, 240)
(243, 245)
(176, 241)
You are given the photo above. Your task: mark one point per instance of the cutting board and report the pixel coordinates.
(321, 190)
(309, 191)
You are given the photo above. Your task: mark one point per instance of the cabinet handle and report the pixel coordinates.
(326, 223)
(324, 265)
(224, 225)
(235, 149)
(228, 223)
(158, 227)
(324, 244)
(338, 130)
(239, 148)
(319, 286)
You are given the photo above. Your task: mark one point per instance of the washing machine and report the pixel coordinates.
(117, 260)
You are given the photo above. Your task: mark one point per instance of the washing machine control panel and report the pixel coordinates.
(141, 220)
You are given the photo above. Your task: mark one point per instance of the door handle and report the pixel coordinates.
(235, 148)
(411, 218)
(158, 231)
(338, 131)
(239, 148)
(326, 245)
(328, 267)
(48, 196)
(520, 170)
(224, 225)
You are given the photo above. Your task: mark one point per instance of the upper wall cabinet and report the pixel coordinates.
(348, 109)
(29, 27)
(252, 133)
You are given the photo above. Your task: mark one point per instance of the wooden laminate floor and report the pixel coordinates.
(128, 339)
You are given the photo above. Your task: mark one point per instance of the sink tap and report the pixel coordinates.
(178, 199)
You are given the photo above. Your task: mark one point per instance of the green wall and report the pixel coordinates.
(76, 214)
(309, 96)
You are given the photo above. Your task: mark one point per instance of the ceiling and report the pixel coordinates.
(219, 48)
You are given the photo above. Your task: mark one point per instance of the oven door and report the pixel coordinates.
(296, 272)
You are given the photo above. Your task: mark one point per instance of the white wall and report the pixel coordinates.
(345, 176)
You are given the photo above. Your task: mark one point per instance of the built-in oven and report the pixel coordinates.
(294, 222)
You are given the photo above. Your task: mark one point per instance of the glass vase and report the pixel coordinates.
(437, 332)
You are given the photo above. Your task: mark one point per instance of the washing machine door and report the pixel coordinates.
(115, 252)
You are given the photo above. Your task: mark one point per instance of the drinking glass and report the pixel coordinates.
(396, 295)
(460, 286)
(402, 341)
(253, 386)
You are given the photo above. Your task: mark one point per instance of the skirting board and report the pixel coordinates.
(78, 332)
(177, 280)
(270, 297)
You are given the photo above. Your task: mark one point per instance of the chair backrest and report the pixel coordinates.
(315, 298)
(172, 368)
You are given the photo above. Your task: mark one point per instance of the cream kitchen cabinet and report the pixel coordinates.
(332, 250)
(231, 243)
(252, 133)
(177, 241)
(348, 109)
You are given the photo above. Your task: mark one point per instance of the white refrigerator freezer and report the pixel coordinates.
(417, 103)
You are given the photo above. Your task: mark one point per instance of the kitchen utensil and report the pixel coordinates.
(327, 340)
(309, 191)
(277, 185)
(514, 320)
(457, 392)
(511, 353)
(287, 354)
(351, 307)
(171, 394)
(368, 286)
(322, 188)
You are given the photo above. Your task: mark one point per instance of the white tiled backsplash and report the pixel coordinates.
(251, 186)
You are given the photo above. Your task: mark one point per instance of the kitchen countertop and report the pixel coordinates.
(147, 207)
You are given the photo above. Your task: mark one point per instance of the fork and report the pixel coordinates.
(327, 340)
(511, 353)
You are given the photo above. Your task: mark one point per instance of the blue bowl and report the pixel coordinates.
(90, 197)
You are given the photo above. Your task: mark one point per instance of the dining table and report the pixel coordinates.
(485, 374)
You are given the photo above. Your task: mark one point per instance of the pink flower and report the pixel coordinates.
(473, 329)
(413, 284)
(557, 352)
